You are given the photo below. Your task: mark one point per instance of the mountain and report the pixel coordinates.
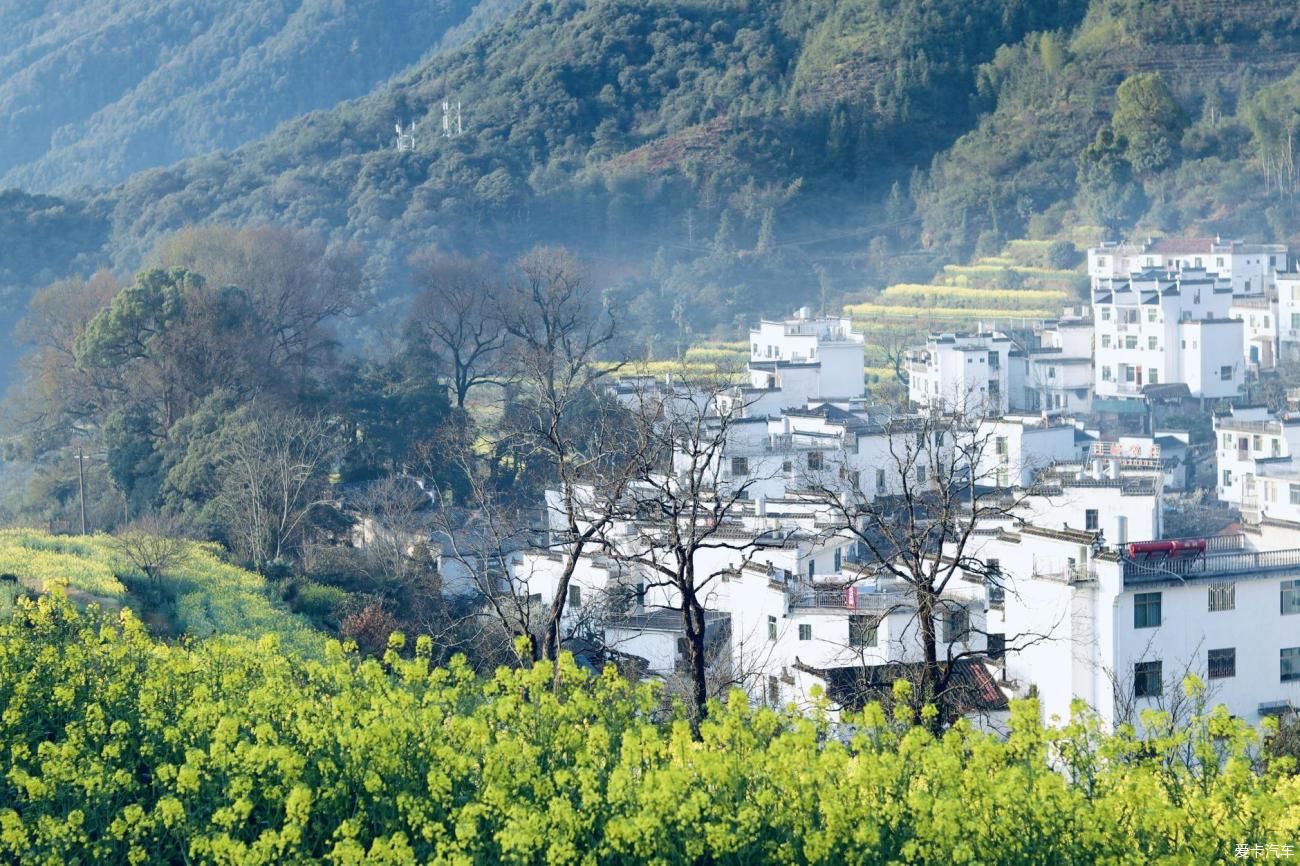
(620, 128)
(91, 92)
(716, 160)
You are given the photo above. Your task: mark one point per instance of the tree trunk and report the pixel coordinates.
(931, 676)
(694, 625)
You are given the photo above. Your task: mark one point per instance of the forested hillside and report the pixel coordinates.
(719, 160)
(91, 92)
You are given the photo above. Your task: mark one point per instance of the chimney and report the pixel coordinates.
(760, 506)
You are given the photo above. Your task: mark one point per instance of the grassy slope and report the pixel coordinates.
(206, 596)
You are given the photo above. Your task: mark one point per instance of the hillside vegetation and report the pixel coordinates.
(115, 748)
(201, 596)
(91, 92)
(716, 161)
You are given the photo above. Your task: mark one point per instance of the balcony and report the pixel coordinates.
(1244, 563)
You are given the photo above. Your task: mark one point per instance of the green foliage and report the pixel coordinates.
(1148, 121)
(210, 596)
(92, 93)
(117, 749)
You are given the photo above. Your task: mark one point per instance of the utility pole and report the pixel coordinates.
(81, 486)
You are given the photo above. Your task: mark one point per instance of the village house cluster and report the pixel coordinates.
(1054, 457)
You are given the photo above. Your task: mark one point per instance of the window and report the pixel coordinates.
(1257, 442)
(1105, 374)
(1091, 520)
(1151, 343)
(1153, 376)
(1295, 493)
(640, 594)
(771, 628)
(956, 624)
(739, 467)
(787, 467)
(805, 631)
(1146, 610)
(1223, 596)
(1227, 441)
(1221, 663)
(812, 568)
(1051, 372)
(997, 647)
(839, 559)
(1225, 373)
(1151, 315)
(880, 479)
(1148, 680)
(1218, 262)
(1290, 664)
(814, 460)
(1290, 597)
(1105, 314)
(1227, 478)
(920, 475)
(1130, 342)
(1105, 341)
(575, 596)
(863, 630)
(1295, 320)
(1198, 261)
(855, 479)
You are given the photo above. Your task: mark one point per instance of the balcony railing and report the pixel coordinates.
(1242, 562)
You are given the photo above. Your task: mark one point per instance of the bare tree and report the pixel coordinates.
(458, 311)
(559, 333)
(945, 481)
(685, 501)
(272, 477)
(152, 544)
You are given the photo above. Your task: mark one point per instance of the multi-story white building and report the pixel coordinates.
(1249, 268)
(1288, 315)
(1153, 329)
(969, 374)
(1058, 372)
(807, 357)
(1248, 439)
(1122, 630)
(1258, 314)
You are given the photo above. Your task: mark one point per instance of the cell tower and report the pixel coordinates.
(406, 140)
(451, 119)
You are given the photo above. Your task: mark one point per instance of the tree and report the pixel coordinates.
(680, 506)
(152, 544)
(1107, 189)
(457, 312)
(558, 428)
(1148, 121)
(922, 533)
(297, 285)
(273, 475)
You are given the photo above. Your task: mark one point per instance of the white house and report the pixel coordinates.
(1259, 317)
(1288, 315)
(965, 373)
(807, 357)
(1249, 268)
(1058, 372)
(1157, 328)
(1123, 629)
(1249, 442)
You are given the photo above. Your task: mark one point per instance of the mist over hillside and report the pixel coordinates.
(720, 160)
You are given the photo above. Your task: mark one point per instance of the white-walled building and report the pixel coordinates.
(807, 357)
(1288, 315)
(1249, 268)
(1124, 630)
(1058, 372)
(1259, 317)
(968, 374)
(1249, 442)
(1155, 328)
